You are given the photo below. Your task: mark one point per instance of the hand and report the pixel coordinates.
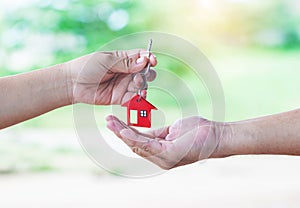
(185, 141)
(104, 78)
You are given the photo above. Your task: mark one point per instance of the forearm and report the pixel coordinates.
(31, 94)
(277, 134)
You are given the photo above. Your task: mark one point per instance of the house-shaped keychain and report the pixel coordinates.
(139, 111)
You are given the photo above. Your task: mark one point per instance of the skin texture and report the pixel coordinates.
(105, 78)
(100, 78)
(193, 139)
(113, 70)
(185, 141)
(275, 134)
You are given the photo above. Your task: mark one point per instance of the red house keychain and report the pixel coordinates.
(139, 112)
(138, 108)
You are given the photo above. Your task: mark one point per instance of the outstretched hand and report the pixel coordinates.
(185, 141)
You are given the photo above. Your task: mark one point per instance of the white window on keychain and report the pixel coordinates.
(143, 113)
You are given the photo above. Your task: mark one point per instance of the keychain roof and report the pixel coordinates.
(139, 112)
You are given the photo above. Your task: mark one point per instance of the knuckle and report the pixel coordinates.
(146, 147)
(139, 151)
(127, 63)
(118, 53)
(135, 150)
(132, 143)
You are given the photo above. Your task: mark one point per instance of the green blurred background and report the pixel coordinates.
(254, 46)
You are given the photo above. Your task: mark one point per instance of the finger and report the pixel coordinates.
(115, 127)
(127, 96)
(143, 61)
(121, 125)
(151, 75)
(131, 87)
(131, 61)
(146, 147)
(117, 121)
(181, 126)
(130, 138)
(151, 57)
(181, 147)
(136, 66)
(126, 62)
(130, 94)
(119, 89)
(137, 53)
(139, 81)
(132, 91)
(151, 149)
(160, 133)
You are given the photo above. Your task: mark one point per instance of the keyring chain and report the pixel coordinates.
(143, 74)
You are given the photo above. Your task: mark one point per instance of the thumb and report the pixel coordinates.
(139, 65)
(128, 63)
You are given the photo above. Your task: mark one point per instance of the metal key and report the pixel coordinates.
(144, 72)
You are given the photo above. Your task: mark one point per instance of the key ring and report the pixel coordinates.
(143, 73)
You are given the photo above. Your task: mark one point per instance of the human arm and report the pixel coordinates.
(31, 94)
(275, 134)
(192, 139)
(100, 78)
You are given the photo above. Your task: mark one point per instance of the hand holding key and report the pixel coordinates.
(105, 78)
(138, 108)
(100, 78)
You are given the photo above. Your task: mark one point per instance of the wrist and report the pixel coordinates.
(69, 80)
(223, 133)
(63, 86)
(238, 138)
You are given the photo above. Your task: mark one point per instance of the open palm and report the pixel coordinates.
(186, 141)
